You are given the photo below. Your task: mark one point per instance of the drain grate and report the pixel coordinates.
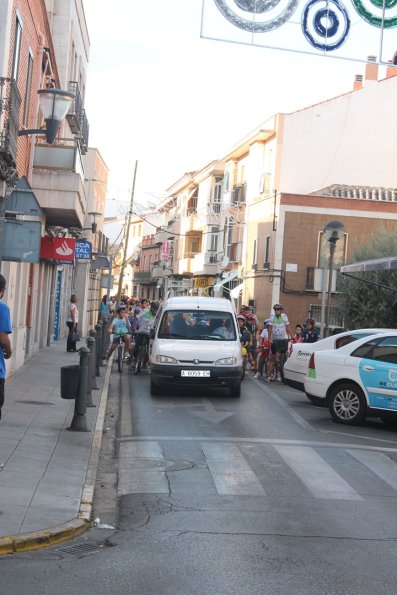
(81, 549)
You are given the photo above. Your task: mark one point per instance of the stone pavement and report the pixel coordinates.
(47, 473)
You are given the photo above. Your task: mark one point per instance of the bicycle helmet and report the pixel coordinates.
(266, 322)
(278, 307)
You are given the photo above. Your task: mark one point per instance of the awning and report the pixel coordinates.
(237, 290)
(378, 264)
(232, 275)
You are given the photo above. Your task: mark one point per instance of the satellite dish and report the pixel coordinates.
(225, 261)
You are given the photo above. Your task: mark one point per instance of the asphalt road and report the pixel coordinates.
(262, 494)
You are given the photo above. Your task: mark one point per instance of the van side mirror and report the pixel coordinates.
(151, 333)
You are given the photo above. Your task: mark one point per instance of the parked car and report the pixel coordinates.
(356, 380)
(296, 365)
(196, 343)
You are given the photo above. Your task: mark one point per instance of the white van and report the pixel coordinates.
(196, 343)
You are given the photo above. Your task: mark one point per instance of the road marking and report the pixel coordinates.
(230, 471)
(317, 475)
(211, 414)
(287, 408)
(379, 464)
(233, 439)
(126, 422)
(142, 469)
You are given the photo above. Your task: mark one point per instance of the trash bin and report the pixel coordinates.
(70, 378)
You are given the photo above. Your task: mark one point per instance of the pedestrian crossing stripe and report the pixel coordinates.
(143, 470)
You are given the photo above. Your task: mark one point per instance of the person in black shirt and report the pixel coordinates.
(310, 334)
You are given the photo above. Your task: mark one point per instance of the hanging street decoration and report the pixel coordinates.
(350, 29)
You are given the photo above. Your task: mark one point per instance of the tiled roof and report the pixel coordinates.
(359, 192)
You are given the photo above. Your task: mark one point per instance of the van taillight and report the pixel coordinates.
(312, 365)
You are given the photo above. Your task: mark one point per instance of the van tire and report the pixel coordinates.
(235, 391)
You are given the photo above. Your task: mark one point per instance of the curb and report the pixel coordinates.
(12, 544)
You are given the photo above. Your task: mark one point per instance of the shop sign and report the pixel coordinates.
(59, 249)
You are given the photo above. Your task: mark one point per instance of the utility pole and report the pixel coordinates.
(127, 234)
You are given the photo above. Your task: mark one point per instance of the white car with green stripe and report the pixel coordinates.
(357, 380)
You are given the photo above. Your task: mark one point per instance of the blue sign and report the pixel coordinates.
(83, 250)
(57, 306)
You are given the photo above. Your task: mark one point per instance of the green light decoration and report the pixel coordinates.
(386, 23)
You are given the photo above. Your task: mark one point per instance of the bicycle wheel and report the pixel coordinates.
(120, 357)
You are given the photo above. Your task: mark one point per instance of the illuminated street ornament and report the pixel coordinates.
(325, 24)
(277, 11)
(307, 26)
(378, 13)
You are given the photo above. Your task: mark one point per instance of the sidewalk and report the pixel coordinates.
(47, 473)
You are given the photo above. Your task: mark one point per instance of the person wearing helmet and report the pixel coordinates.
(310, 334)
(120, 327)
(279, 330)
(146, 320)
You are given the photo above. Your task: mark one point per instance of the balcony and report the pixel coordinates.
(239, 193)
(77, 117)
(10, 102)
(57, 181)
(143, 277)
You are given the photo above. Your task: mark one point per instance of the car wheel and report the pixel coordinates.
(154, 389)
(347, 404)
(317, 401)
(235, 391)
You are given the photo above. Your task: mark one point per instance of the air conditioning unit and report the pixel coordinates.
(266, 266)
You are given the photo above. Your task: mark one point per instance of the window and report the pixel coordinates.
(217, 195)
(226, 182)
(214, 239)
(28, 90)
(323, 251)
(17, 48)
(254, 252)
(203, 325)
(267, 249)
(384, 350)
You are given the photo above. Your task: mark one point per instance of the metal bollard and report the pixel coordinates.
(98, 328)
(91, 371)
(79, 421)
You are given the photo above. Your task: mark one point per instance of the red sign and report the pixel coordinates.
(165, 250)
(57, 248)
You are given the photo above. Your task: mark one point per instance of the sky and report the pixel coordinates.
(159, 94)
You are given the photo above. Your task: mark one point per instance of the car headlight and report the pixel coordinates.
(166, 359)
(226, 361)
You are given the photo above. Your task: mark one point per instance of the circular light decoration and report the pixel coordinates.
(325, 24)
(235, 11)
(379, 13)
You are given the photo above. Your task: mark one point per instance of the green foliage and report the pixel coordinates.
(366, 305)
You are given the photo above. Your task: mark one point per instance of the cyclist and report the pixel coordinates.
(120, 327)
(263, 350)
(245, 337)
(279, 331)
(146, 321)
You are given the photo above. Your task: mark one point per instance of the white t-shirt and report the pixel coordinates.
(279, 324)
(265, 334)
(72, 307)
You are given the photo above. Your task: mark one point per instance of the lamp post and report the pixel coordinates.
(54, 105)
(333, 231)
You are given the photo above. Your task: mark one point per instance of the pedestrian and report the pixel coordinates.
(72, 322)
(297, 338)
(5, 345)
(310, 334)
(103, 310)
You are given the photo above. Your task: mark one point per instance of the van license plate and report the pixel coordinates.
(196, 373)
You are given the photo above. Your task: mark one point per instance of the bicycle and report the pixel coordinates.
(120, 353)
(142, 356)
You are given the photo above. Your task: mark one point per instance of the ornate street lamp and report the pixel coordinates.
(333, 231)
(54, 105)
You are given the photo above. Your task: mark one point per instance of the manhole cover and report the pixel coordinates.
(81, 549)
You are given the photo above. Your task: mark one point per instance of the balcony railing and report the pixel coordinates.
(143, 276)
(10, 102)
(77, 117)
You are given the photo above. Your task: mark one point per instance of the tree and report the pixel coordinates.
(365, 305)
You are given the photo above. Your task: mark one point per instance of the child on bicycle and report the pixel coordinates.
(120, 327)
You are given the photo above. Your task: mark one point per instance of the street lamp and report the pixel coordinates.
(333, 231)
(54, 105)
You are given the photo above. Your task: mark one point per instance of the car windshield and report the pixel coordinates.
(197, 325)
